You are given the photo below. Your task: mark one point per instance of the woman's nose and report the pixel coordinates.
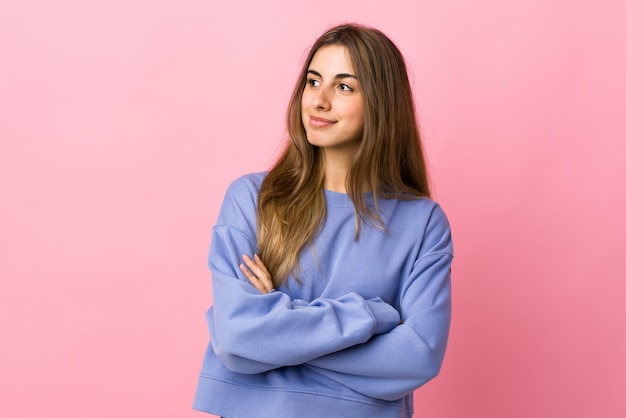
(320, 100)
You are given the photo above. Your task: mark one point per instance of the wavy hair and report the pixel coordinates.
(389, 159)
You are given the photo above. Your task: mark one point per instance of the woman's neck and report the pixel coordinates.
(335, 179)
(336, 168)
(336, 165)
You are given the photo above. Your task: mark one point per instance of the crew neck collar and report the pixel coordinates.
(343, 199)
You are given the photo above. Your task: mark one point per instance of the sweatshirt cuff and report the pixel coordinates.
(385, 315)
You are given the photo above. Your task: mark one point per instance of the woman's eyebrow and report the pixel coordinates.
(338, 76)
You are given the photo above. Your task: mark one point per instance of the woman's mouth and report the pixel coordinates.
(318, 122)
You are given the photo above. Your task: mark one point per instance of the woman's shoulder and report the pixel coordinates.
(425, 209)
(422, 204)
(240, 202)
(434, 223)
(247, 184)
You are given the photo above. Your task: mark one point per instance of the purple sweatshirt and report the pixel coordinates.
(367, 325)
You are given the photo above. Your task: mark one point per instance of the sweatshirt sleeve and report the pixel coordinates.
(253, 332)
(391, 365)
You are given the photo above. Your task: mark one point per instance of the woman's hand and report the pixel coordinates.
(257, 273)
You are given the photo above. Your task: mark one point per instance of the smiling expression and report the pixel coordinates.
(332, 102)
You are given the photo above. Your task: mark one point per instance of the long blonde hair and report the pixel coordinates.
(389, 159)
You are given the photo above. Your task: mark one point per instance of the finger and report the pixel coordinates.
(259, 270)
(260, 273)
(252, 279)
(266, 278)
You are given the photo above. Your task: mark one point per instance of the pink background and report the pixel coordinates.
(122, 122)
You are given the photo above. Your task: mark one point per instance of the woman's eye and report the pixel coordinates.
(313, 83)
(345, 87)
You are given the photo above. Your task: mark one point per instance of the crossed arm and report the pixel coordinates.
(394, 362)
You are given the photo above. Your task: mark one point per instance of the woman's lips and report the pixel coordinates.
(318, 122)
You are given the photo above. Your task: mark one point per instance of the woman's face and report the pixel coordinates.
(332, 101)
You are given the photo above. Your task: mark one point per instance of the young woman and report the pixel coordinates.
(331, 272)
